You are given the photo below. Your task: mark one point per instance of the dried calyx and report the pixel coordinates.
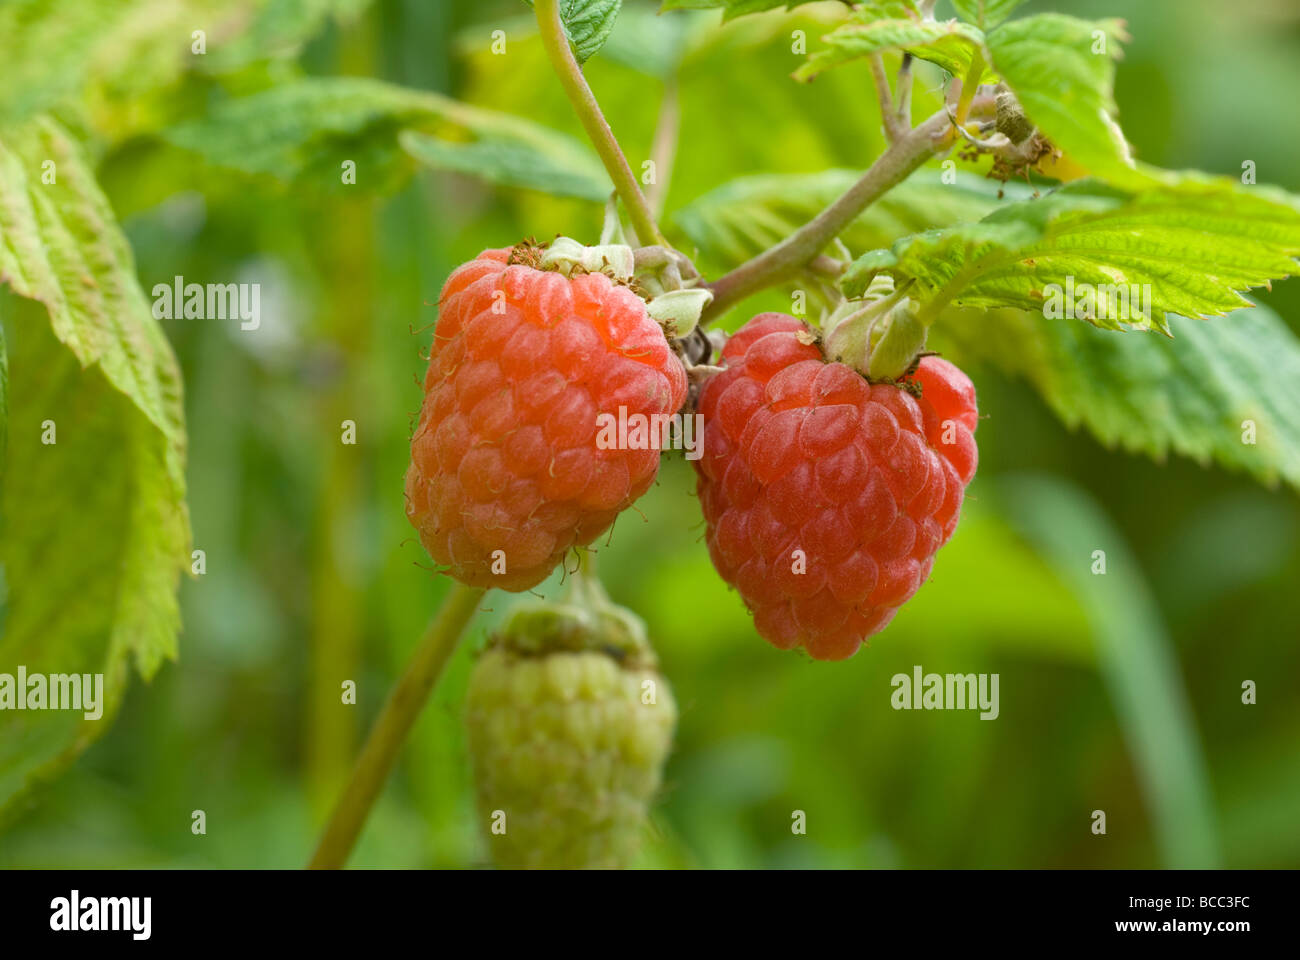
(662, 277)
(1011, 120)
(1014, 142)
(567, 256)
(584, 619)
(671, 283)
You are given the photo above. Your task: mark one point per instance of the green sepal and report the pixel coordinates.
(565, 255)
(583, 619)
(679, 311)
(900, 344)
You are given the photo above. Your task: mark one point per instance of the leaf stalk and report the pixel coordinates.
(785, 259)
(566, 67)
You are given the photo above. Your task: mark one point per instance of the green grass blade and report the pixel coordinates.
(1135, 657)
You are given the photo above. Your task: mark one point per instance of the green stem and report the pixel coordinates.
(849, 339)
(593, 121)
(969, 87)
(929, 311)
(663, 149)
(785, 259)
(391, 728)
(891, 117)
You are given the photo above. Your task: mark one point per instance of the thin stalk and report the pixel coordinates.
(905, 90)
(663, 149)
(894, 128)
(391, 728)
(930, 310)
(826, 266)
(593, 121)
(786, 258)
(850, 337)
(969, 87)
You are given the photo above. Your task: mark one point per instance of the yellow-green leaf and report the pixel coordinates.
(93, 508)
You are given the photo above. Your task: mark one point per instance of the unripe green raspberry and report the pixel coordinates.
(569, 725)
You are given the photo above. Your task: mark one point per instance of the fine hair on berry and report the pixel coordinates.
(827, 496)
(506, 473)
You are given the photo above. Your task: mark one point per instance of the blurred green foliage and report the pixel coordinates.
(1120, 693)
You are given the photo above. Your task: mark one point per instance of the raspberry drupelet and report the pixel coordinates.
(827, 496)
(506, 474)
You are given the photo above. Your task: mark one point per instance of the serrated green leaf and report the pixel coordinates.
(985, 14)
(1196, 242)
(887, 9)
(1191, 395)
(1062, 71)
(587, 24)
(95, 526)
(60, 245)
(951, 44)
(738, 8)
(641, 38)
(733, 8)
(286, 130)
(740, 219)
(54, 49)
(645, 41)
(512, 163)
(305, 129)
(278, 28)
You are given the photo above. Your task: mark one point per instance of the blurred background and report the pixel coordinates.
(1120, 693)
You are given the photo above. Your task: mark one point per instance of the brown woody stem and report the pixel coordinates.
(785, 259)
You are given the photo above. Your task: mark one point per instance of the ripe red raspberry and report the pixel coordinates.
(804, 455)
(506, 473)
